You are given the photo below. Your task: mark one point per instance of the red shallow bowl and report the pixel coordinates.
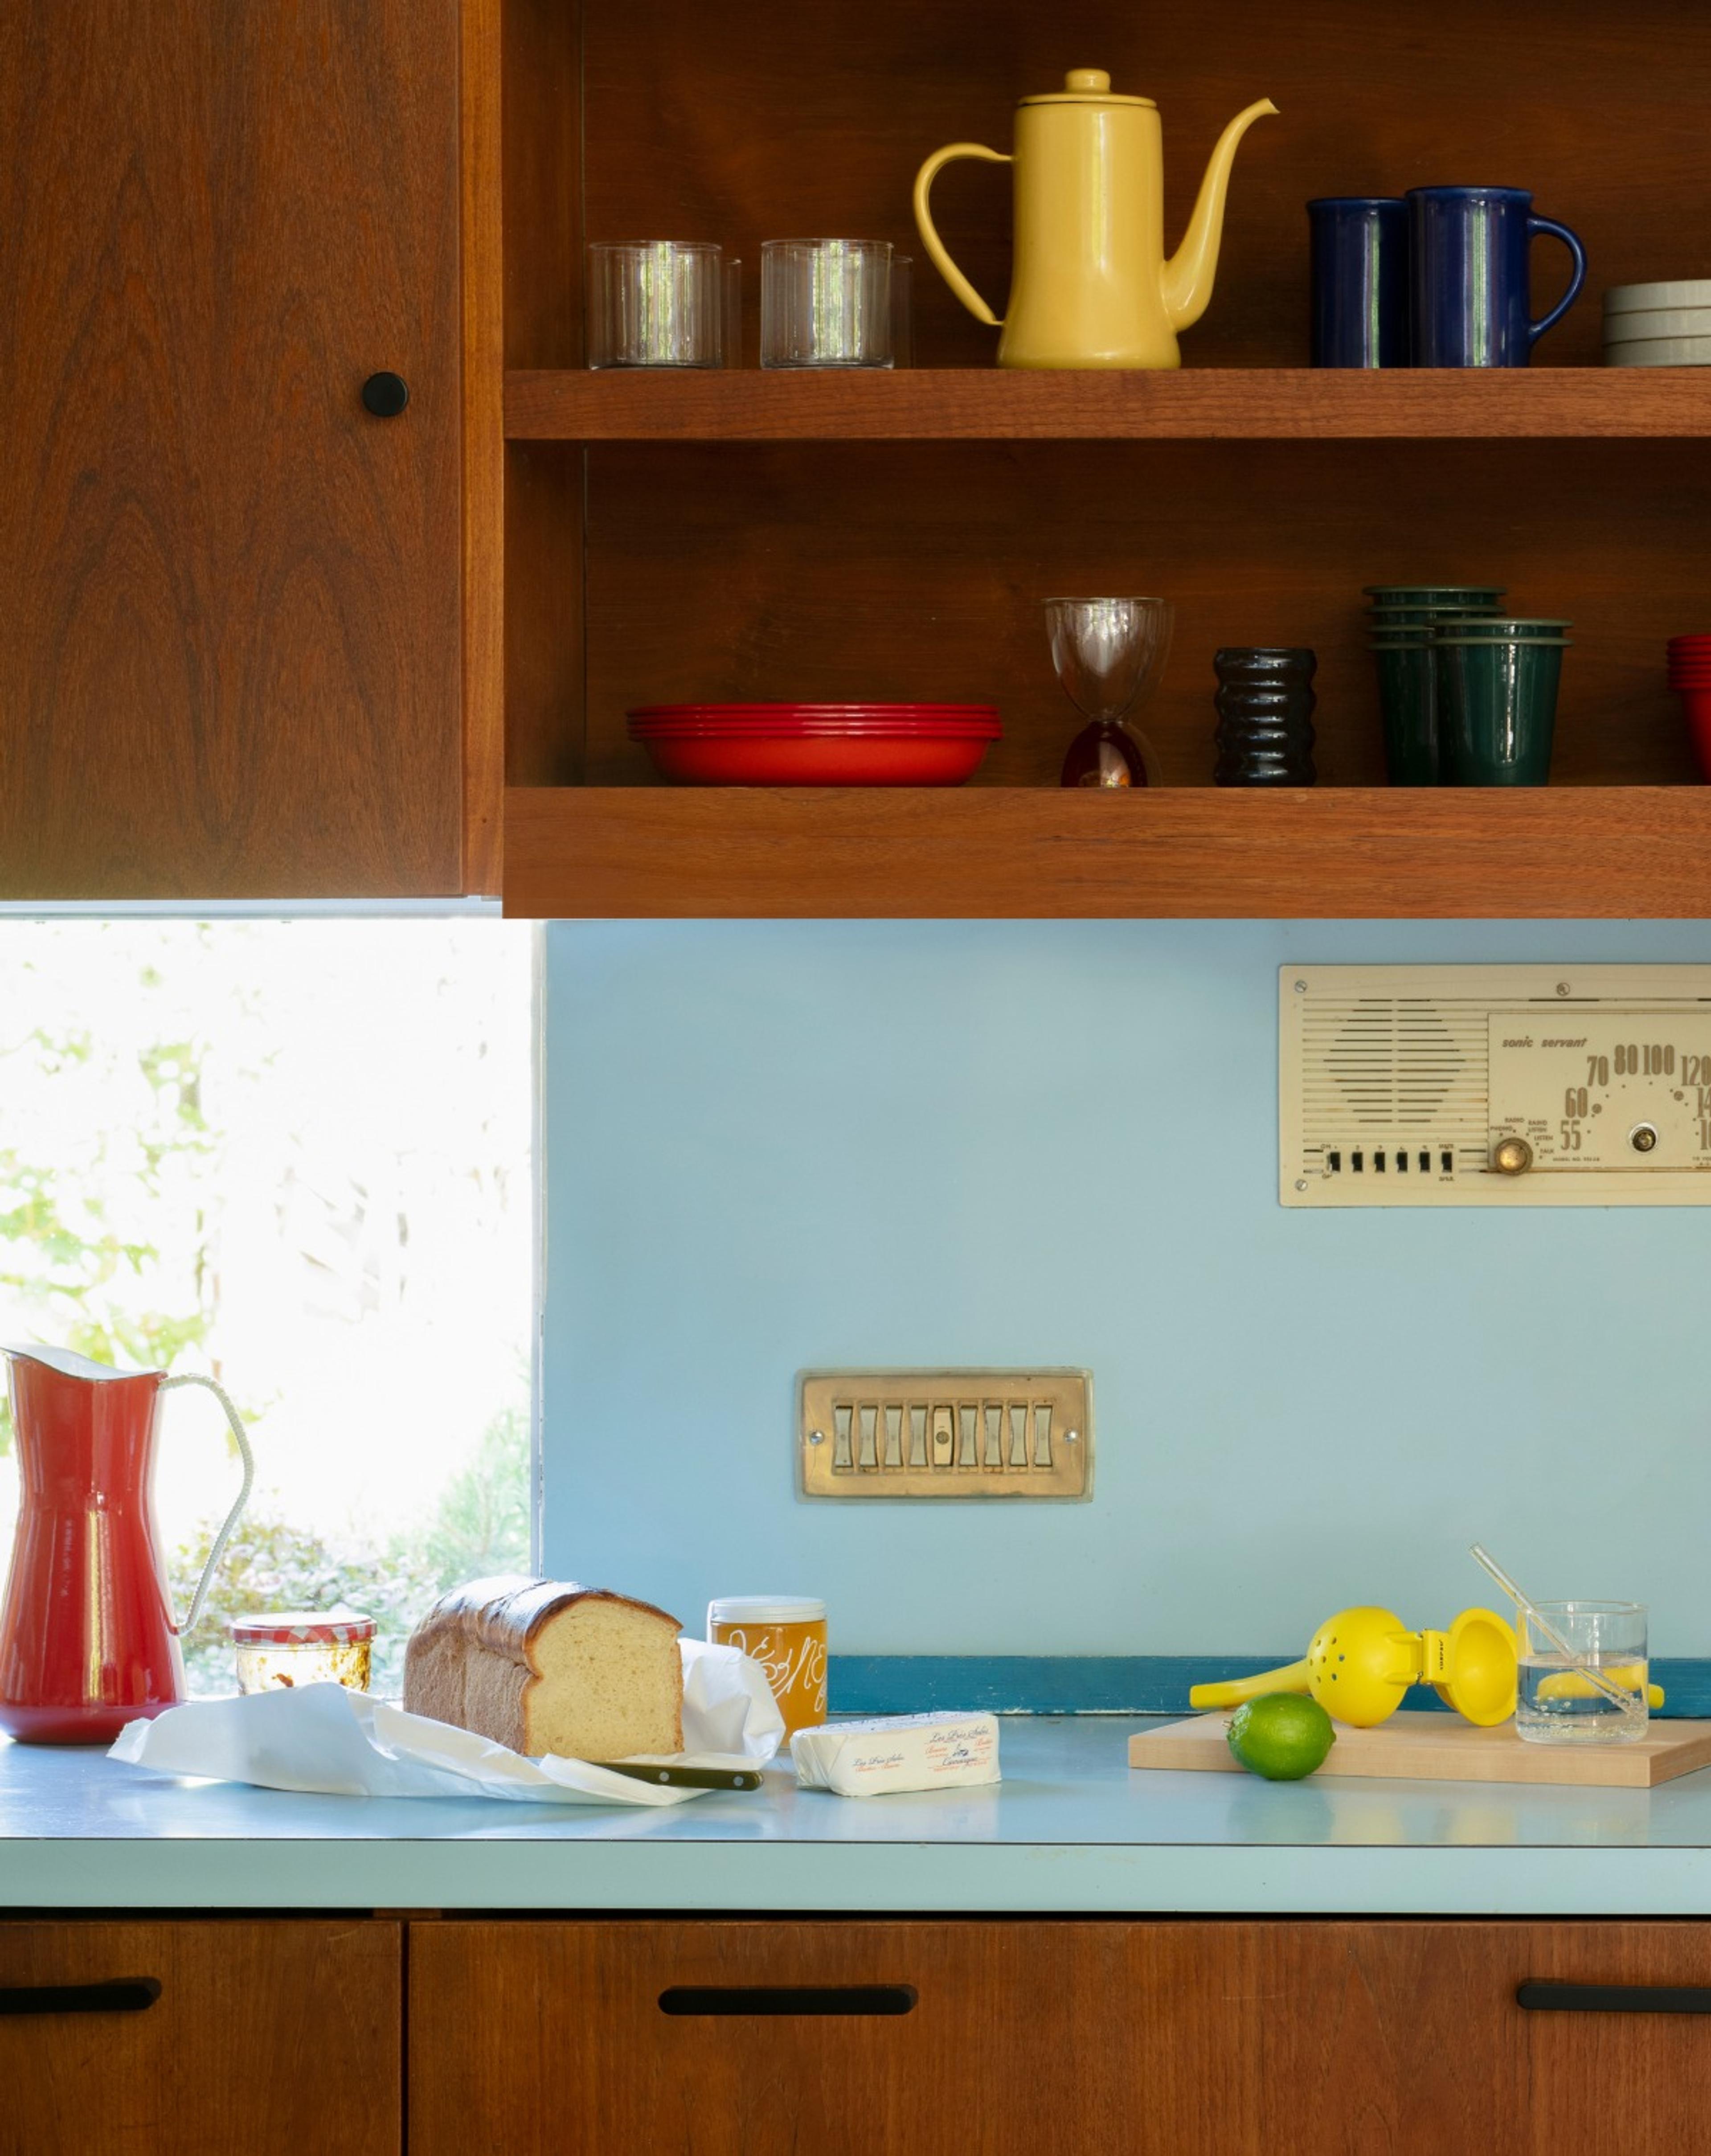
(798, 711)
(810, 730)
(1697, 704)
(817, 760)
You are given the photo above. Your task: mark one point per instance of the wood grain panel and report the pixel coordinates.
(230, 656)
(915, 571)
(1226, 404)
(545, 488)
(1017, 853)
(740, 125)
(270, 2039)
(545, 597)
(1056, 2038)
(482, 243)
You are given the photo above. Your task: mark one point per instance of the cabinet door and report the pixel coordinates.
(229, 633)
(1050, 2038)
(192, 2038)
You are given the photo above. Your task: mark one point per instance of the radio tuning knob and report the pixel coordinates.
(1511, 1156)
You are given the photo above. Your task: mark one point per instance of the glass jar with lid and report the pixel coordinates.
(280, 1649)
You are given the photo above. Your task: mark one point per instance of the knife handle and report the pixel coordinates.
(686, 1778)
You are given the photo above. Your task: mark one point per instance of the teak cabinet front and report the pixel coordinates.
(262, 2038)
(1059, 2037)
(230, 649)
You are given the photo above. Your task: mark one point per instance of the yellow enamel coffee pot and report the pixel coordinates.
(1089, 284)
(1361, 1662)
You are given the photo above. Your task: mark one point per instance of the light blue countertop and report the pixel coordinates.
(1070, 1829)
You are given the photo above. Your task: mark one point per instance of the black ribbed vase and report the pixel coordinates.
(1265, 703)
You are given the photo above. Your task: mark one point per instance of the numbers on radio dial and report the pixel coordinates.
(1647, 1060)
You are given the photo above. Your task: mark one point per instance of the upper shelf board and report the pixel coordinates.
(1252, 405)
(1040, 853)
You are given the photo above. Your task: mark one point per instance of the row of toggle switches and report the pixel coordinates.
(1399, 1158)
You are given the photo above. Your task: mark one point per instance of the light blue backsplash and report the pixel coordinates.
(778, 1145)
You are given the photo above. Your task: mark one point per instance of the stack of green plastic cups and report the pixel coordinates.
(1405, 620)
(1497, 685)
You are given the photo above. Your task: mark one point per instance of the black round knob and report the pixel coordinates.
(385, 395)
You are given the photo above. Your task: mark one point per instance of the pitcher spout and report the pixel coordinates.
(1187, 278)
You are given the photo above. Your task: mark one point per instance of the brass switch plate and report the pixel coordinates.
(945, 1433)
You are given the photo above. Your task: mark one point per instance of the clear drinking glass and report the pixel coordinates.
(658, 303)
(826, 303)
(1109, 654)
(1558, 1703)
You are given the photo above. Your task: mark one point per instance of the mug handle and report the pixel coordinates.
(220, 1539)
(1535, 225)
(929, 237)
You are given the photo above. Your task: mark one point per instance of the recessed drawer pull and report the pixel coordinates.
(123, 1995)
(787, 1999)
(1539, 1996)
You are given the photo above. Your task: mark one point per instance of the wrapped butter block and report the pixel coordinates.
(897, 1752)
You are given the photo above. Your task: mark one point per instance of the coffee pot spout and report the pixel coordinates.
(1187, 278)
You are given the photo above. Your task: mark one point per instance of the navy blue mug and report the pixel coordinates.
(1471, 248)
(1360, 290)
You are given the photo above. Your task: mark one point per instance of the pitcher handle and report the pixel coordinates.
(224, 1536)
(1535, 225)
(929, 238)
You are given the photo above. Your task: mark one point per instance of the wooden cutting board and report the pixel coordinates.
(1442, 1747)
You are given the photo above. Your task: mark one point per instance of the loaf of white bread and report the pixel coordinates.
(547, 1665)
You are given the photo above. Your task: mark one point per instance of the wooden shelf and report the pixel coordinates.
(1030, 854)
(1251, 404)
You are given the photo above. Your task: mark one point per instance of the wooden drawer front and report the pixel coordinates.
(278, 2039)
(1026, 2038)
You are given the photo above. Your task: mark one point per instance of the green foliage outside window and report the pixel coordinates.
(78, 1269)
(480, 1525)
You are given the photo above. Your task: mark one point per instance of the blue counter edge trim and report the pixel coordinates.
(1115, 1684)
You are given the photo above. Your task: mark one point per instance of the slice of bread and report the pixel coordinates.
(548, 1666)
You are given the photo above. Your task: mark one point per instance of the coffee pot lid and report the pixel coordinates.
(1086, 86)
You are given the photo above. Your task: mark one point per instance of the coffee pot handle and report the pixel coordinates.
(929, 238)
(232, 1518)
(1535, 225)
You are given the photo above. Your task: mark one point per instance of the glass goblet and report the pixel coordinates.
(1109, 655)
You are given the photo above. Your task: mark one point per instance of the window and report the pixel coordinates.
(295, 1155)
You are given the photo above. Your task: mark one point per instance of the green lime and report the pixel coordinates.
(1282, 1736)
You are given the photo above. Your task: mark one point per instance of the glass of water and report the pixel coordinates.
(1558, 1703)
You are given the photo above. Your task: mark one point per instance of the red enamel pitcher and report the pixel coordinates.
(88, 1639)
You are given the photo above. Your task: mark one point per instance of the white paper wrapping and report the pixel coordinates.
(345, 1743)
(879, 1758)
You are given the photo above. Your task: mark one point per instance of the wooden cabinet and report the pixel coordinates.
(257, 641)
(1024, 2037)
(231, 651)
(756, 536)
(715, 2036)
(182, 2038)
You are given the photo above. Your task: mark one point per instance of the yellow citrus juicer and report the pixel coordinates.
(1360, 1665)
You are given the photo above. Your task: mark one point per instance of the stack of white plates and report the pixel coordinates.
(1658, 325)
